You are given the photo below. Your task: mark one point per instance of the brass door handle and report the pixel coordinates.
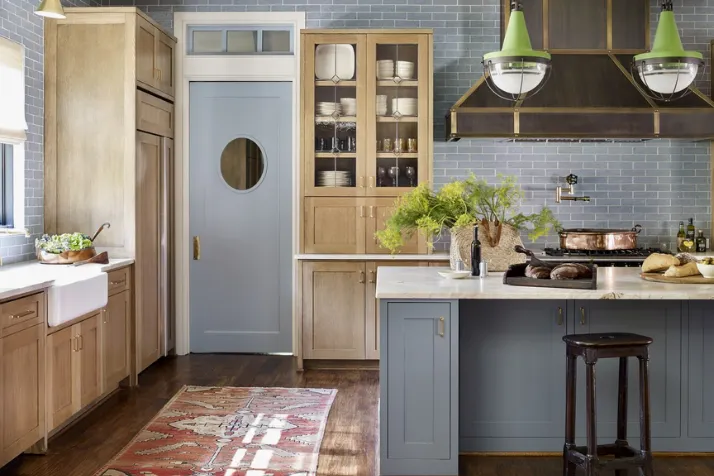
(582, 316)
(361, 181)
(371, 211)
(81, 342)
(196, 248)
(22, 314)
(371, 181)
(442, 327)
(560, 316)
(361, 211)
(361, 277)
(372, 276)
(75, 344)
(104, 312)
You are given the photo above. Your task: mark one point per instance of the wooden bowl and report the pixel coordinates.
(66, 257)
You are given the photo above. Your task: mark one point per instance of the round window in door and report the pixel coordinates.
(242, 164)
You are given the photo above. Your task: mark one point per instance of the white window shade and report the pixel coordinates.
(12, 92)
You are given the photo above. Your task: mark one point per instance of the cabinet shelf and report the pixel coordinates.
(343, 84)
(410, 83)
(392, 155)
(332, 119)
(394, 119)
(340, 155)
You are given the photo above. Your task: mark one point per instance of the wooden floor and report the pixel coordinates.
(347, 450)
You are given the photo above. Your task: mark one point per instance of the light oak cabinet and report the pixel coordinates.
(74, 369)
(378, 212)
(22, 387)
(154, 58)
(116, 328)
(340, 320)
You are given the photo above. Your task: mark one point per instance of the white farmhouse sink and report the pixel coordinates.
(74, 294)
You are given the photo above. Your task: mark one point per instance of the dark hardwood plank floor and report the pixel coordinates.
(347, 450)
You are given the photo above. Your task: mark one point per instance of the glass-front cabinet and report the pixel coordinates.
(367, 112)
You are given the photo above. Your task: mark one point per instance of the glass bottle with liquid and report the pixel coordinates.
(691, 230)
(475, 253)
(681, 235)
(701, 242)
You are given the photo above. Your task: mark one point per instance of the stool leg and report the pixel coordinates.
(591, 417)
(622, 412)
(570, 380)
(645, 434)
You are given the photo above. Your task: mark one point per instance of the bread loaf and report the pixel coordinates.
(571, 271)
(537, 272)
(689, 269)
(685, 258)
(659, 262)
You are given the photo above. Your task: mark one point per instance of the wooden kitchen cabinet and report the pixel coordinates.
(334, 225)
(701, 368)
(333, 310)
(378, 211)
(116, 329)
(154, 58)
(22, 383)
(90, 360)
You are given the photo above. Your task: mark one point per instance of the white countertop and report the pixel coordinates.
(613, 283)
(30, 276)
(372, 257)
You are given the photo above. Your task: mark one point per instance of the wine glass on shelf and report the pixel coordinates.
(381, 174)
(411, 175)
(394, 175)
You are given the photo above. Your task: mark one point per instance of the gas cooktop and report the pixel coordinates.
(595, 254)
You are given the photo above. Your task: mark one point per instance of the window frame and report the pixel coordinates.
(6, 186)
(224, 29)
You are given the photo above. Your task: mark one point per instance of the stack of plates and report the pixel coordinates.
(328, 108)
(405, 69)
(405, 106)
(381, 104)
(333, 178)
(349, 106)
(385, 69)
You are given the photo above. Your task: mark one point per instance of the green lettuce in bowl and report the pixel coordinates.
(57, 244)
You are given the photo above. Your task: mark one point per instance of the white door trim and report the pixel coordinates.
(226, 68)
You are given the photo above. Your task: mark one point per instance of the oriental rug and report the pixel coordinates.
(230, 431)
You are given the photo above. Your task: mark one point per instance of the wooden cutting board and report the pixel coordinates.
(661, 278)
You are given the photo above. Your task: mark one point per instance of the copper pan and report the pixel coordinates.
(599, 239)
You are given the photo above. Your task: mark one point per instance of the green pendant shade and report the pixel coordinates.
(667, 43)
(517, 42)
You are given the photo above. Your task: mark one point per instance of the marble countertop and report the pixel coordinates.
(372, 257)
(30, 276)
(613, 283)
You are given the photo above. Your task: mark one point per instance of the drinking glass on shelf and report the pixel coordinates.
(379, 146)
(388, 146)
(399, 144)
(381, 174)
(394, 175)
(411, 175)
(411, 145)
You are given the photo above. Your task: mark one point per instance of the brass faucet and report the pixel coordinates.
(571, 180)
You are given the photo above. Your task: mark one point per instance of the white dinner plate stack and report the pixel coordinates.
(381, 104)
(349, 106)
(405, 69)
(328, 108)
(405, 106)
(333, 178)
(385, 69)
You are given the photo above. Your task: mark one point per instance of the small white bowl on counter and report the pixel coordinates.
(454, 274)
(707, 270)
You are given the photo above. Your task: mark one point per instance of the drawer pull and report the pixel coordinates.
(372, 277)
(116, 283)
(81, 341)
(75, 344)
(582, 316)
(560, 316)
(442, 325)
(361, 277)
(22, 314)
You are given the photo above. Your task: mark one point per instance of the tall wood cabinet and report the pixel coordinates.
(109, 125)
(367, 118)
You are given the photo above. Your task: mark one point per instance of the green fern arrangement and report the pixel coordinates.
(458, 204)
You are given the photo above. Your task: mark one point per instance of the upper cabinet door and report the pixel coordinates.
(398, 111)
(146, 38)
(165, 63)
(334, 106)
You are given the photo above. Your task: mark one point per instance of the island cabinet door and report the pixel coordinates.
(660, 320)
(701, 370)
(418, 384)
(512, 373)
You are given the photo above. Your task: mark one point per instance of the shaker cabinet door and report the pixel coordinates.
(334, 225)
(63, 399)
(90, 346)
(701, 370)
(115, 334)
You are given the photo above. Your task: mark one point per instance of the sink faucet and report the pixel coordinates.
(571, 180)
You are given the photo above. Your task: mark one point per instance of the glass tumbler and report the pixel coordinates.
(411, 145)
(399, 144)
(388, 145)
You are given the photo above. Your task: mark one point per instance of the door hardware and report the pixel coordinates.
(196, 248)
(582, 316)
(372, 276)
(442, 326)
(361, 277)
(560, 316)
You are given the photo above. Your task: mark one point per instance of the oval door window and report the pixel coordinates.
(242, 164)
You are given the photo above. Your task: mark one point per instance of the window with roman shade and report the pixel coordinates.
(12, 92)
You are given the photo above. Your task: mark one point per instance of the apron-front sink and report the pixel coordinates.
(74, 294)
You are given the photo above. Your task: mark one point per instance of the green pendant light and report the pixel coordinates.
(50, 9)
(517, 71)
(666, 72)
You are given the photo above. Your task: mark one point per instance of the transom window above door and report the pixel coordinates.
(240, 40)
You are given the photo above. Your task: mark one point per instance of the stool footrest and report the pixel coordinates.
(625, 457)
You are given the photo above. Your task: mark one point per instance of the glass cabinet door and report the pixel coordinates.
(333, 102)
(398, 139)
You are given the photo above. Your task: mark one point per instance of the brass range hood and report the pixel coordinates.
(591, 93)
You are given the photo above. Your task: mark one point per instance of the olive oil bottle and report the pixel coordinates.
(701, 242)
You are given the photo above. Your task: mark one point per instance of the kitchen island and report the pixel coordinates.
(478, 366)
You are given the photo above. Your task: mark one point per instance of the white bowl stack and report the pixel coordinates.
(333, 178)
(381, 104)
(385, 69)
(405, 69)
(405, 106)
(349, 106)
(328, 108)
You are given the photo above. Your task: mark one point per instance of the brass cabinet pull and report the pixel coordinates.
(116, 283)
(104, 312)
(196, 248)
(361, 181)
(442, 326)
(22, 314)
(371, 211)
(75, 344)
(361, 277)
(371, 181)
(582, 316)
(81, 342)
(160, 75)
(361, 211)
(560, 316)
(372, 276)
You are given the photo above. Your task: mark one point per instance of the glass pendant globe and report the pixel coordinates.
(517, 77)
(667, 77)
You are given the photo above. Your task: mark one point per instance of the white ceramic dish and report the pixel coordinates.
(334, 60)
(707, 270)
(454, 274)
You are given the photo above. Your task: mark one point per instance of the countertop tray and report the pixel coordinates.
(516, 276)
(661, 278)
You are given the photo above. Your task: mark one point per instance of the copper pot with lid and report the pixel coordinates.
(592, 239)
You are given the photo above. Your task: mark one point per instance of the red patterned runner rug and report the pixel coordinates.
(230, 431)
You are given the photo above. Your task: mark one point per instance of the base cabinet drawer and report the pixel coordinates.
(23, 391)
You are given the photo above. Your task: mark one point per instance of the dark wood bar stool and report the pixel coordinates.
(592, 347)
